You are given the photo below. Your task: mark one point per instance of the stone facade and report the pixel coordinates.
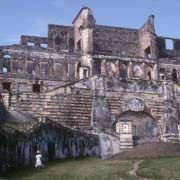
(119, 84)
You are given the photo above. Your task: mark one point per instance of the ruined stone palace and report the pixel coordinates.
(88, 89)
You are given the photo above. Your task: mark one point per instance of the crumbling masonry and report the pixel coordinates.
(88, 89)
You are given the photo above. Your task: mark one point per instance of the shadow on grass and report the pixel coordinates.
(22, 172)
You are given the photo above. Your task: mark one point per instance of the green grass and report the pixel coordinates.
(76, 169)
(161, 169)
(97, 169)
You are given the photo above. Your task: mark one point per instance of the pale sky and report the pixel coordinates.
(31, 17)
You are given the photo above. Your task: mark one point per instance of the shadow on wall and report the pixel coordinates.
(53, 140)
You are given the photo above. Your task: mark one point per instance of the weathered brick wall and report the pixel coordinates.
(147, 39)
(21, 85)
(167, 50)
(72, 110)
(111, 66)
(168, 67)
(38, 41)
(118, 105)
(62, 33)
(26, 67)
(112, 40)
(18, 146)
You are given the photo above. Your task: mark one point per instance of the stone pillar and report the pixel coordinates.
(103, 67)
(153, 42)
(155, 72)
(130, 70)
(1, 65)
(143, 71)
(86, 61)
(117, 68)
(170, 114)
(101, 118)
(178, 75)
(5, 98)
(87, 40)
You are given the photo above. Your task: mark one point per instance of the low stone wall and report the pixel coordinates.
(109, 145)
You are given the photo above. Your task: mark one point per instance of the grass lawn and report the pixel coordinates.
(161, 169)
(76, 169)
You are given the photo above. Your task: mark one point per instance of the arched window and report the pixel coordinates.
(71, 44)
(147, 52)
(174, 75)
(123, 71)
(162, 74)
(149, 75)
(58, 40)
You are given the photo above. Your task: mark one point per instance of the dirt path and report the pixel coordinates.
(133, 171)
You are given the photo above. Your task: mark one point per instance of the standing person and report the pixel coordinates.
(38, 163)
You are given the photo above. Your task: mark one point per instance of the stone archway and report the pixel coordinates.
(143, 127)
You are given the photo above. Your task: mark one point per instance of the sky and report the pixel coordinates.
(31, 17)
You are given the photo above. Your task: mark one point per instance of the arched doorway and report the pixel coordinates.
(143, 127)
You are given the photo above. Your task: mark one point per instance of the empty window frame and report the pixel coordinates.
(44, 45)
(5, 70)
(71, 44)
(123, 71)
(174, 75)
(147, 52)
(162, 74)
(169, 44)
(58, 41)
(6, 86)
(30, 44)
(7, 56)
(149, 75)
(85, 73)
(36, 88)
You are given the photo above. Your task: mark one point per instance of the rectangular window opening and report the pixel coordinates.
(5, 70)
(169, 44)
(7, 56)
(36, 88)
(44, 45)
(85, 73)
(147, 52)
(7, 86)
(30, 43)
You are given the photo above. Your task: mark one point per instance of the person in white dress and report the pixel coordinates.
(38, 163)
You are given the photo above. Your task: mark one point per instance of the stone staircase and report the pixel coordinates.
(150, 150)
(17, 116)
(72, 110)
(114, 103)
